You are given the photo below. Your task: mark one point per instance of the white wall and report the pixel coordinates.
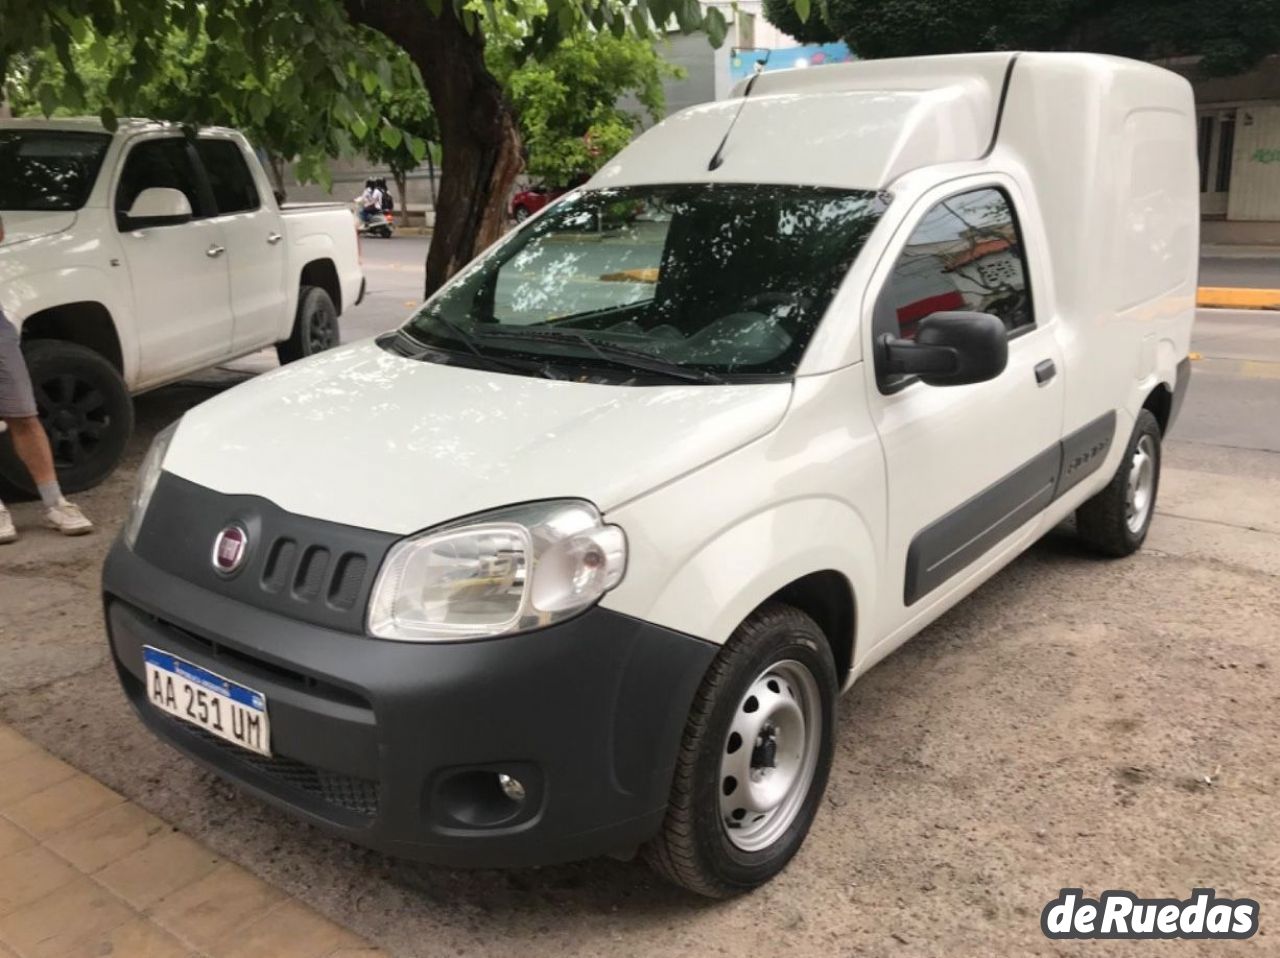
(1255, 170)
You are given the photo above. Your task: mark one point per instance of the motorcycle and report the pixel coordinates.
(381, 224)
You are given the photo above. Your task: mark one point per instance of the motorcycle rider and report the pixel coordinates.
(370, 202)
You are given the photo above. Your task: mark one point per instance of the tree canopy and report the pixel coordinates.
(811, 28)
(1229, 35)
(567, 102)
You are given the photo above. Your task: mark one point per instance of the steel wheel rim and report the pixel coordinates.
(1141, 490)
(778, 720)
(74, 414)
(322, 332)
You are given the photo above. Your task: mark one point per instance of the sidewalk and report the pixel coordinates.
(85, 873)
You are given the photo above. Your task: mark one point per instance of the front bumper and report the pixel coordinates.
(393, 744)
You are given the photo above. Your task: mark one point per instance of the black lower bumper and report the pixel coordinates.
(397, 745)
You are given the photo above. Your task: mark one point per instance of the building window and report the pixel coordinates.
(1217, 142)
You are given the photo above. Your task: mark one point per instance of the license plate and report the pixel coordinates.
(208, 701)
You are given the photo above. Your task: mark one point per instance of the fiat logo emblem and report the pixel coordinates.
(230, 548)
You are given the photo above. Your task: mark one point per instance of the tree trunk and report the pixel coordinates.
(275, 168)
(479, 137)
(402, 193)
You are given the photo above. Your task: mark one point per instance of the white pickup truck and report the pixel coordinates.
(134, 258)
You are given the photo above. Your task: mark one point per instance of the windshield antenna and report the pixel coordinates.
(718, 158)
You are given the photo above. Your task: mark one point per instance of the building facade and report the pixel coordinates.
(1239, 141)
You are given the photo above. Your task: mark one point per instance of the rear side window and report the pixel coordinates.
(233, 187)
(158, 163)
(965, 254)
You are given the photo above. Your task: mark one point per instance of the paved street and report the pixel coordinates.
(1257, 270)
(1075, 722)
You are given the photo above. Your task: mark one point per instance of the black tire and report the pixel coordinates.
(315, 326)
(520, 214)
(86, 410)
(1104, 522)
(694, 849)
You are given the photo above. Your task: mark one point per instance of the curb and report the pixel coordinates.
(1227, 297)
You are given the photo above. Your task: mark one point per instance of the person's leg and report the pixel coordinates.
(18, 410)
(32, 446)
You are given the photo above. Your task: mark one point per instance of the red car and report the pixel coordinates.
(527, 202)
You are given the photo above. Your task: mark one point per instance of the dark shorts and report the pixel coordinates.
(17, 401)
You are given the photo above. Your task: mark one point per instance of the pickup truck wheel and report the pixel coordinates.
(315, 326)
(1115, 521)
(754, 760)
(85, 408)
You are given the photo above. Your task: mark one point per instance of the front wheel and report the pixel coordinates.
(520, 215)
(1115, 521)
(754, 760)
(315, 326)
(85, 409)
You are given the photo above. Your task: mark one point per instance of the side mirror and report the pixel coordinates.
(160, 206)
(950, 349)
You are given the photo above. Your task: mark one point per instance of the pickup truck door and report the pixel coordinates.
(255, 245)
(969, 468)
(177, 271)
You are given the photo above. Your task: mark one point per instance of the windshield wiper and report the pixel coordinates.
(469, 341)
(610, 353)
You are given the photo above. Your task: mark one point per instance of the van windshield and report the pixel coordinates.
(48, 170)
(696, 281)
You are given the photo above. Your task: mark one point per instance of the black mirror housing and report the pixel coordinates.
(950, 349)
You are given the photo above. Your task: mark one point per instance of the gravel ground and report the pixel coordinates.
(1074, 723)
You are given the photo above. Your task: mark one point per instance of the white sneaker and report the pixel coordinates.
(67, 518)
(7, 532)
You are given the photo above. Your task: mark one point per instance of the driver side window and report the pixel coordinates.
(965, 254)
(157, 163)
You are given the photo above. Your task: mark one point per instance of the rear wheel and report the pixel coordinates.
(1116, 520)
(755, 757)
(315, 326)
(85, 409)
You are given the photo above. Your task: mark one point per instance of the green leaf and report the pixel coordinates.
(716, 26)
(802, 10)
(391, 137)
(417, 148)
(108, 118)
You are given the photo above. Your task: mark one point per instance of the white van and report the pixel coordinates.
(577, 561)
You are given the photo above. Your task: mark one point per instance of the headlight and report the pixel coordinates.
(148, 476)
(505, 571)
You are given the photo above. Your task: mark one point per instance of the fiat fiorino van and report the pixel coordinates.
(577, 560)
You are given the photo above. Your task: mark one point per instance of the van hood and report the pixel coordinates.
(369, 439)
(23, 226)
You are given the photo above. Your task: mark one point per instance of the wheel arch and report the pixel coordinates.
(1160, 402)
(774, 554)
(827, 598)
(86, 323)
(323, 273)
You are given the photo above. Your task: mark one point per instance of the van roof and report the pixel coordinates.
(856, 125)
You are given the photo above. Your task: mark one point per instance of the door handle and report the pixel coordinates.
(1045, 370)
(214, 251)
(274, 238)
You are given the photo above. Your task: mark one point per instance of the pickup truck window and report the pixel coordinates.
(966, 254)
(716, 281)
(49, 170)
(159, 163)
(233, 188)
